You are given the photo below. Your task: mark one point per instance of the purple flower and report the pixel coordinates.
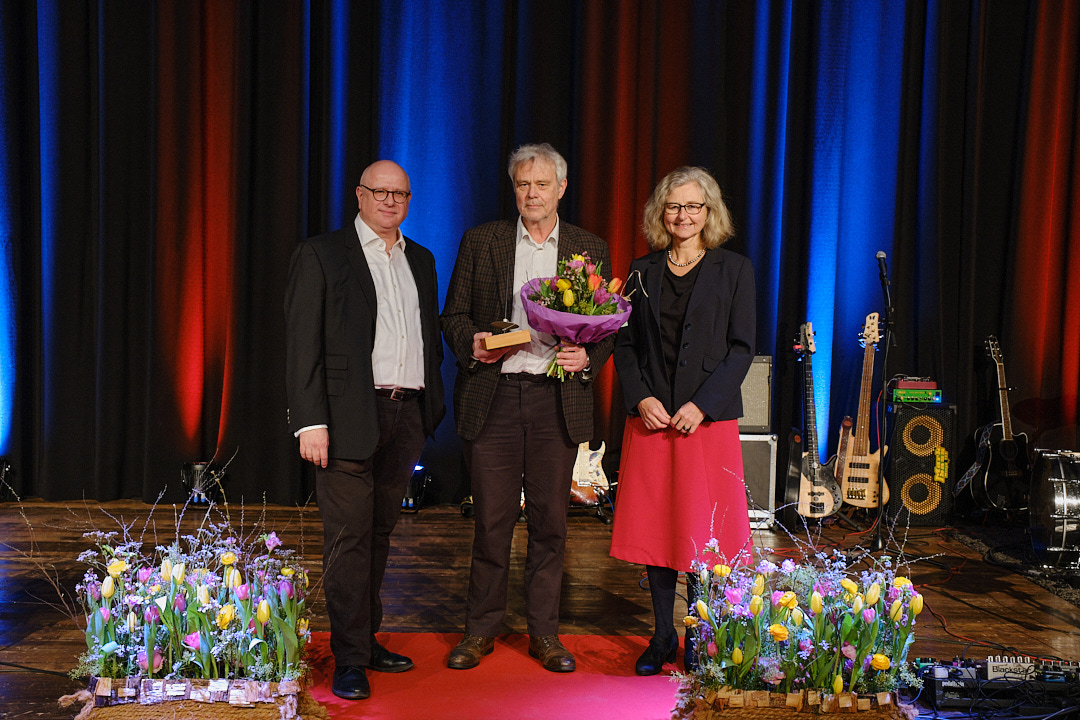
(788, 566)
(151, 614)
(144, 574)
(285, 589)
(775, 597)
(242, 592)
(272, 541)
(868, 615)
(734, 595)
(766, 568)
(179, 603)
(575, 264)
(601, 295)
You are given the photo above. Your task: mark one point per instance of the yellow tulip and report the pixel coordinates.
(838, 685)
(263, 612)
(202, 594)
(287, 571)
(857, 605)
(225, 616)
(690, 621)
(736, 656)
(789, 600)
(816, 603)
(873, 594)
(779, 632)
(568, 298)
(702, 610)
(896, 611)
(166, 569)
(132, 621)
(562, 284)
(849, 585)
(233, 578)
(228, 558)
(916, 604)
(301, 626)
(178, 573)
(797, 617)
(722, 570)
(578, 257)
(759, 585)
(116, 567)
(900, 581)
(108, 587)
(755, 605)
(880, 662)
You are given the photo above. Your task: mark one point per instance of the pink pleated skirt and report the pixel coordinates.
(676, 492)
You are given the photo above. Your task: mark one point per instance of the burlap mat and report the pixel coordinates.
(304, 707)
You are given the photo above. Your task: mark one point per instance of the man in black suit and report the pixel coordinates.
(519, 428)
(364, 388)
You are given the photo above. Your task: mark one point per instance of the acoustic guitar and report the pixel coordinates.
(1004, 479)
(819, 493)
(858, 469)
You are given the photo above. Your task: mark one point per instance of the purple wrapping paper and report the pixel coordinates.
(575, 328)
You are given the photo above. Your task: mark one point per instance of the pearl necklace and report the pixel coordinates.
(688, 263)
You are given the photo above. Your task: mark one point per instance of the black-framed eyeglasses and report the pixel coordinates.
(380, 194)
(690, 208)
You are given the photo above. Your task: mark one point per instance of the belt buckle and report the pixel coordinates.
(395, 396)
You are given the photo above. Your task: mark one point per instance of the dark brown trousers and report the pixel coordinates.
(523, 444)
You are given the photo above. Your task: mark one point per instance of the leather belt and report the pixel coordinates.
(398, 394)
(528, 377)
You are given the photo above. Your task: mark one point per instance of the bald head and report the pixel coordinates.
(386, 215)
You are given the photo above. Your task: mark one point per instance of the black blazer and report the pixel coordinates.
(330, 309)
(717, 341)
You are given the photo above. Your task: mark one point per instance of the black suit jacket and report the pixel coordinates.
(717, 341)
(330, 309)
(481, 292)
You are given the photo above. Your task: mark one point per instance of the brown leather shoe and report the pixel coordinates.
(553, 656)
(468, 652)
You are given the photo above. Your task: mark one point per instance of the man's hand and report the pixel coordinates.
(487, 356)
(653, 414)
(315, 446)
(687, 419)
(571, 357)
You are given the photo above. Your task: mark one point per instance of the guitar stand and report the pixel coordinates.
(844, 517)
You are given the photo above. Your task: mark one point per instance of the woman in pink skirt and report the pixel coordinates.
(681, 360)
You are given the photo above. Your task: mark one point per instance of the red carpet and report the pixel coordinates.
(507, 685)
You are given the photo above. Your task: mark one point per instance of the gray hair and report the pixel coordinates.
(718, 226)
(533, 151)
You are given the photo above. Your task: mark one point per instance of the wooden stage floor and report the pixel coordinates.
(975, 609)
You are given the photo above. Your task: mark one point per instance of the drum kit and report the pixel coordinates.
(1054, 508)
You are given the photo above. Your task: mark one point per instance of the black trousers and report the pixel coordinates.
(523, 444)
(360, 501)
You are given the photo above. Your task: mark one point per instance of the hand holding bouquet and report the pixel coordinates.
(577, 305)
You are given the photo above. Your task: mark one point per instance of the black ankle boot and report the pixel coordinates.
(656, 654)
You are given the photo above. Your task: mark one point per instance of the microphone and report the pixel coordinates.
(881, 263)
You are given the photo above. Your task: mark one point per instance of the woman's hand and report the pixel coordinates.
(687, 419)
(653, 414)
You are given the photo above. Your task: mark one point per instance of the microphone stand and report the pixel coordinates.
(878, 543)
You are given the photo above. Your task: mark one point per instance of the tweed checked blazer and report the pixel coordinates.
(481, 292)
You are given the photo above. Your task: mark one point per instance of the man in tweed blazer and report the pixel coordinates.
(519, 428)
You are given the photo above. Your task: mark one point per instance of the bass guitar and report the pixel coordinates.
(1003, 481)
(858, 469)
(819, 493)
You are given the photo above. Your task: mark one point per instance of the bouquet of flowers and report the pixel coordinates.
(793, 627)
(577, 305)
(205, 606)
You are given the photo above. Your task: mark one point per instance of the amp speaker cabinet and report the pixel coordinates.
(756, 394)
(920, 464)
(759, 472)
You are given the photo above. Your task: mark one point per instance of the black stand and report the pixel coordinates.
(878, 542)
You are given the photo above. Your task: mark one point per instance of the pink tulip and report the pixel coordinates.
(600, 295)
(157, 660)
(179, 603)
(285, 589)
(94, 589)
(151, 614)
(711, 649)
(144, 574)
(590, 268)
(775, 597)
(241, 592)
(272, 541)
(868, 615)
(193, 641)
(105, 613)
(734, 596)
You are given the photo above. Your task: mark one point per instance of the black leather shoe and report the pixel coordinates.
(351, 683)
(382, 660)
(656, 654)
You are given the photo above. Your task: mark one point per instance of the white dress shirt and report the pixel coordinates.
(532, 260)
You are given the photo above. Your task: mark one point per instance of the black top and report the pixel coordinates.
(674, 297)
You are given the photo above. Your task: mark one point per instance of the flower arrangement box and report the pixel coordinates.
(812, 637)
(214, 618)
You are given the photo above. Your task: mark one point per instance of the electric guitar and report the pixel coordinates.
(857, 468)
(588, 483)
(819, 493)
(1003, 481)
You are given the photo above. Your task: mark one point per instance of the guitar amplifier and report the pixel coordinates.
(756, 396)
(759, 473)
(920, 464)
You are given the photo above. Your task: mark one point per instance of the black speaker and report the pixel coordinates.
(920, 464)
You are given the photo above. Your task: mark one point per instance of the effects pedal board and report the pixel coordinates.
(1028, 685)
